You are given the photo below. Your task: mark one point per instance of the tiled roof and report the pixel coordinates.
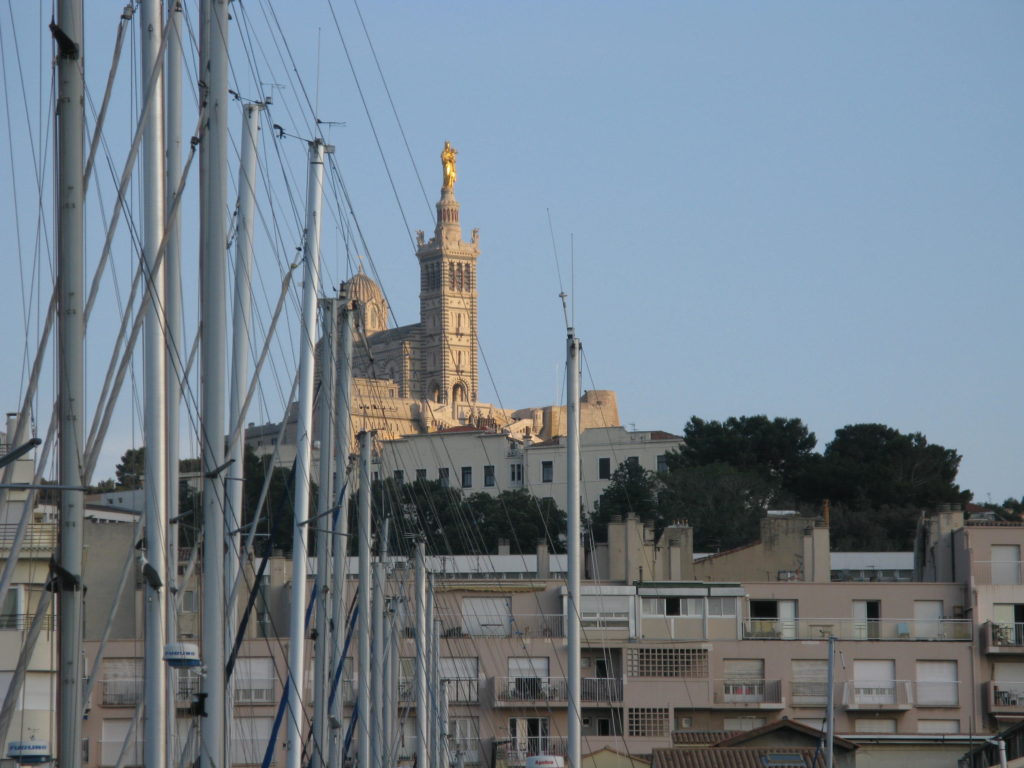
(701, 737)
(739, 738)
(739, 757)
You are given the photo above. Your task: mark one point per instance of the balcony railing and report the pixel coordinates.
(38, 536)
(1007, 636)
(748, 692)
(599, 689)
(516, 752)
(254, 691)
(874, 695)
(126, 692)
(999, 572)
(22, 621)
(500, 625)
(857, 629)
(1005, 697)
(530, 689)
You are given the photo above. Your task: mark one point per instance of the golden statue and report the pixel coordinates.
(448, 162)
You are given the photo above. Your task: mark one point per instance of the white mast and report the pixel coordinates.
(572, 512)
(422, 705)
(342, 444)
(365, 447)
(436, 746)
(213, 360)
(304, 447)
(173, 330)
(378, 667)
(155, 414)
(321, 669)
(241, 323)
(71, 367)
(830, 712)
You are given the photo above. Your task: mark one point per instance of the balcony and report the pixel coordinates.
(530, 691)
(498, 625)
(22, 621)
(857, 629)
(878, 695)
(39, 537)
(598, 690)
(748, 693)
(1003, 638)
(514, 753)
(125, 692)
(1005, 698)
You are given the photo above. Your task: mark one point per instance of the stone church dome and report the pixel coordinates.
(373, 307)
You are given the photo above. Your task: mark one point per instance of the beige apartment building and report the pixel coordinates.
(673, 649)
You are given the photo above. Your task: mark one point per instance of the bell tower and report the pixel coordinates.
(448, 352)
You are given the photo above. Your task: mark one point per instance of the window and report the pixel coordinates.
(122, 682)
(722, 607)
(464, 737)
(515, 474)
(773, 619)
(874, 725)
(442, 476)
(648, 722)
(399, 475)
(744, 681)
(938, 726)
(809, 682)
(528, 677)
(190, 601)
(874, 682)
(489, 476)
(1006, 564)
(683, 721)
(487, 616)
(927, 618)
(604, 726)
(604, 468)
(662, 463)
(605, 611)
(254, 681)
(673, 606)
(685, 663)
(744, 724)
(866, 619)
(937, 684)
(547, 471)
(467, 477)
(528, 735)
(461, 679)
(421, 474)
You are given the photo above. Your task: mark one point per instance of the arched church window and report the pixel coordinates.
(437, 394)
(458, 393)
(469, 278)
(458, 278)
(451, 277)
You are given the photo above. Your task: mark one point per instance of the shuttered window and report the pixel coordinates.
(937, 684)
(809, 682)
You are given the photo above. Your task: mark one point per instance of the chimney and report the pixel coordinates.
(503, 548)
(543, 560)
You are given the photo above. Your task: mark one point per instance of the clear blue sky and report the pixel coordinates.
(808, 209)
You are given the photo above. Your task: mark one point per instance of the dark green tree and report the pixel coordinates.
(130, 469)
(632, 490)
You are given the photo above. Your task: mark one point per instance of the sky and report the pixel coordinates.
(803, 209)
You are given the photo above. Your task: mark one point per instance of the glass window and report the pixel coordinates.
(662, 463)
(489, 476)
(547, 471)
(399, 476)
(442, 476)
(467, 477)
(722, 607)
(515, 473)
(604, 468)
(421, 474)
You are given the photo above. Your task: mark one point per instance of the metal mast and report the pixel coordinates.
(173, 329)
(365, 738)
(155, 414)
(329, 318)
(213, 360)
(830, 713)
(241, 323)
(572, 511)
(304, 447)
(68, 33)
(342, 444)
(422, 701)
(377, 662)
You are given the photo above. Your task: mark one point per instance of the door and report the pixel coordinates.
(866, 616)
(744, 680)
(528, 736)
(787, 619)
(528, 677)
(487, 616)
(874, 682)
(809, 685)
(927, 616)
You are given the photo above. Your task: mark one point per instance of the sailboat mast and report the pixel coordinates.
(68, 33)
(303, 447)
(155, 414)
(572, 512)
(213, 361)
(422, 732)
(363, 706)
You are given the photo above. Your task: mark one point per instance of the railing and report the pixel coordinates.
(188, 685)
(462, 690)
(122, 693)
(501, 625)
(877, 694)
(519, 689)
(857, 629)
(999, 572)
(748, 691)
(470, 749)
(598, 689)
(1006, 635)
(254, 691)
(516, 752)
(22, 621)
(37, 536)
(1006, 695)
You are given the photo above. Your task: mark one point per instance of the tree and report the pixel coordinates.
(723, 504)
(632, 490)
(520, 518)
(130, 469)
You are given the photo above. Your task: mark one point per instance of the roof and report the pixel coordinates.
(743, 737)
(700, 737)
(738, 757)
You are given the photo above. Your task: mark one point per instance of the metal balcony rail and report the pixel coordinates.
(462, 690)
(188, 685)
(598, 689)
(878, 694)
(1007, 635)
(857, 629)
(39, 536)
(125, 692)
(1008, 694)
(748, 691)
(22, 621)
(999, 572)
(516, 752)
(547, 689)
(254, 691)
(498, 625)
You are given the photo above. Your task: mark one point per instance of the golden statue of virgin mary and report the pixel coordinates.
(448, 164)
